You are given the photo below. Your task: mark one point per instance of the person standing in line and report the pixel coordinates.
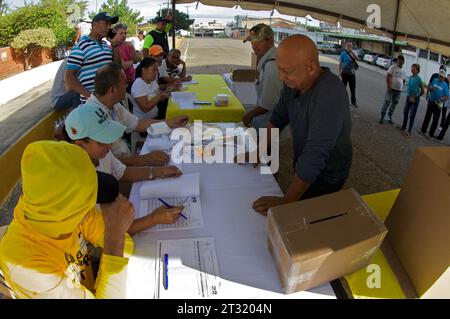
(347, 68)
(414, 90)
(438, 95)
(395, 80)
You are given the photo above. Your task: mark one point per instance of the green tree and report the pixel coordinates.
(182, 21)
(31, 40)
(121, 9)
(36, 16)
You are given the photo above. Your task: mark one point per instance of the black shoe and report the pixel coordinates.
(354, 105)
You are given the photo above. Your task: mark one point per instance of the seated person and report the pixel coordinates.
(145, 90)
(44, 251)
(94, 131)
(60, 97)
(110, 89)
(173, 69)
(157, 53)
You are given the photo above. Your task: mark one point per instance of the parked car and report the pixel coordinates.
(329, 48)
(370, 57)
(359, 52)
(384, 61)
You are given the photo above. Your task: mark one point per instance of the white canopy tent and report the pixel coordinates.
(422, 23)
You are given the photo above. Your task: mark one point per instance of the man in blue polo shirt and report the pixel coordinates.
(438, 95)
(90, 54)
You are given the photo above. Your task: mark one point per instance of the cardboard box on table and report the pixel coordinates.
(243, 75)
(419, 223)
(321, 239)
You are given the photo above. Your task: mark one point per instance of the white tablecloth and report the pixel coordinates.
(246, 266)
(245, 91)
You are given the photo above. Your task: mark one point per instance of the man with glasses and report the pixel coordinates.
(268, 84)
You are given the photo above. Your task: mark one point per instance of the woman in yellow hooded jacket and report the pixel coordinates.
(44, 251)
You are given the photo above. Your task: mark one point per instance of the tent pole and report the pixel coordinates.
(173, 24)
(395, 29)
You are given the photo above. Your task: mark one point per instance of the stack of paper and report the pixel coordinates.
(177, 191)
(190, 82)
(190, 269)
(185, 100)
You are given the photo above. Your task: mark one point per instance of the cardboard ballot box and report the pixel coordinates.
(320, 239)
(243, 75)
(419, 223)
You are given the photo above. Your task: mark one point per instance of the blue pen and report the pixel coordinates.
(166, 271)
(170, 206)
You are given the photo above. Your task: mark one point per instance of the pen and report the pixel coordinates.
(166, 271)
(170, 206)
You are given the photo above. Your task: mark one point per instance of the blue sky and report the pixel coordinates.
(148, 9)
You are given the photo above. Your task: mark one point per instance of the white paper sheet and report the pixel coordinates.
(185, 100)
(192, 211)
(183, 190)
(190, 82)
(192, 271)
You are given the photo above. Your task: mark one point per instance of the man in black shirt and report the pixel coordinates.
(314, 103)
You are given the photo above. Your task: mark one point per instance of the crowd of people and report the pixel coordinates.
(71, 188)
(397, 81)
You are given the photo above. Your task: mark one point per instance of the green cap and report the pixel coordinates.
(90, 120)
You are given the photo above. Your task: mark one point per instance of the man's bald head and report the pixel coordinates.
(298, 61)
(302, 46)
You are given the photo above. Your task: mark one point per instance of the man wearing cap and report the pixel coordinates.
(438, 95)
(158, 36)
(44, 251)
(90, 53)
(93, 130)
(268, 86)
(433, 77)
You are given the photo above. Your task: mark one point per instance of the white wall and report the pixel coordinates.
(21, 83)
(427, 67)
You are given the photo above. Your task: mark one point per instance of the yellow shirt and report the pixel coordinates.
(37, 266)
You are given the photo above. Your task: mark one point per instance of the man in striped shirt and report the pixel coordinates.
(90, 54)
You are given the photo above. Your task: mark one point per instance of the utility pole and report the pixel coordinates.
(187, 10)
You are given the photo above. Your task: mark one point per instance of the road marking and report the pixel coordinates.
(185, 51)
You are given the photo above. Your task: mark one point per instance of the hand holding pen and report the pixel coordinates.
(177, 209)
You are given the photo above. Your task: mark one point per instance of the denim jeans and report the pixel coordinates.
(411, 110)
(69, 100)
(390, 101)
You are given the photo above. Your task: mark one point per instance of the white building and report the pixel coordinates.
(208, 29)
(429, 62)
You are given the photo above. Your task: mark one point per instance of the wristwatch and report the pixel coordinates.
(150, 175)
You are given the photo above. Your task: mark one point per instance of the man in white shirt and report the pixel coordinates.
(173, 69)
(60, 97)
(395, 80)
